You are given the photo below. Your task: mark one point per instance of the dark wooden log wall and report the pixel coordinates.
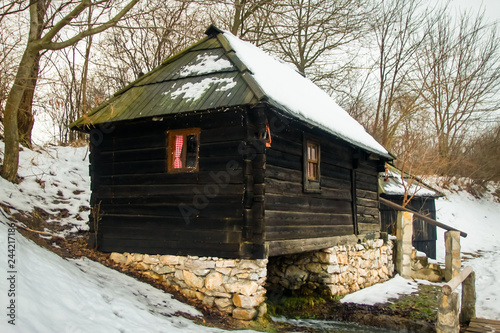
(139, 201)
(367, 205)
(424, 234)
(291, 214)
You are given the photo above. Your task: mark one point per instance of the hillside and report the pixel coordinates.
(53, 294)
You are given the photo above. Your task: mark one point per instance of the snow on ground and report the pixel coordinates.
(381, 293)
(480, 219)
(54, 179)
(57, 295)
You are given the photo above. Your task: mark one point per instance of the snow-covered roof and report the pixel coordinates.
(222, 71)
(299, 96)
(392, 183)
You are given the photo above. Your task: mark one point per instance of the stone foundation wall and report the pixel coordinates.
(337, 270)
(233, 286)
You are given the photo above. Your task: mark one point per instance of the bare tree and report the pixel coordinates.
(53, 26)
(142, 42)
(398, 28)
(9, 45)
(243, 18)
(305, 32)
(459, 68)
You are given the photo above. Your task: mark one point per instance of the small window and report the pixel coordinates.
(183, 147)
(312, 174)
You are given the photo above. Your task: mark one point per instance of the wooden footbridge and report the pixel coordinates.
(483, 325)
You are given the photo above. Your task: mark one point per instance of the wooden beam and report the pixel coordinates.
(420, 216)
(453, 283)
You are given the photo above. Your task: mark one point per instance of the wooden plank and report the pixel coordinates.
(180, 247)
(300, 232)
(284, 218)
(292, 188)
(307, 204)
(225, 148)
(284, 160)
(282, 247)
(151, 222)
(171, 234)
(212, 209)
(483, 325)
(133, 155)
(276, 172)
(155, 190)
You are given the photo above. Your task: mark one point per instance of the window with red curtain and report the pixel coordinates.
(183, 147)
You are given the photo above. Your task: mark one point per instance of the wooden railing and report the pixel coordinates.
(420, 216)
(449, 317)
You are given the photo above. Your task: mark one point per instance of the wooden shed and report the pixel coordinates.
(225, 151)
(423, 202)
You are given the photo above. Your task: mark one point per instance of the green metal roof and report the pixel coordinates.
(205, 76)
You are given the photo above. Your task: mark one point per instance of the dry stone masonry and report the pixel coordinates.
(233, 286)
(337, 270)
(238, 286)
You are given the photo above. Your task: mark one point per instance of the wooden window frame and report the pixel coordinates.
(185, 132)
(311, 185)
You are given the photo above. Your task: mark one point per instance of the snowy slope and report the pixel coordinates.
(480, 219)
(54, 179)
(57, 295)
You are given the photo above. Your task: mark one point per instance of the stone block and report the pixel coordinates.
(244, 314)
(224, 304)
(314, 267)
(242, 301)
(198, 264)
(215, 293)
(193, 280)
(248, 265)
(214, 280)
(225, 263)
(169, 260)
(295, 274)
(208, 300)
(244, 287)
(333, 269)
(118, 258)
(151, 260)
(142, 266)
(160, 269)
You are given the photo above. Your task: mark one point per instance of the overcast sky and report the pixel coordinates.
(490, 7)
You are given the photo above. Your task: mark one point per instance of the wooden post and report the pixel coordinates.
(468, 299)
(404, 231)
(447, 316)
(453, 262)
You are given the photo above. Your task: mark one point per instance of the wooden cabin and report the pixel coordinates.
(423, 202)
(225, 151)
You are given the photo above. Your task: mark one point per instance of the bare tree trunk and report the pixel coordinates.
(25, 117)
(11, 160)
(30, 62)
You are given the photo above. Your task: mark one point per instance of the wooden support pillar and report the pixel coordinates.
(468, 311)
(404, 231)
(453, 261)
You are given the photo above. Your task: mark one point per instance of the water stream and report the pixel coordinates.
(333, 326)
